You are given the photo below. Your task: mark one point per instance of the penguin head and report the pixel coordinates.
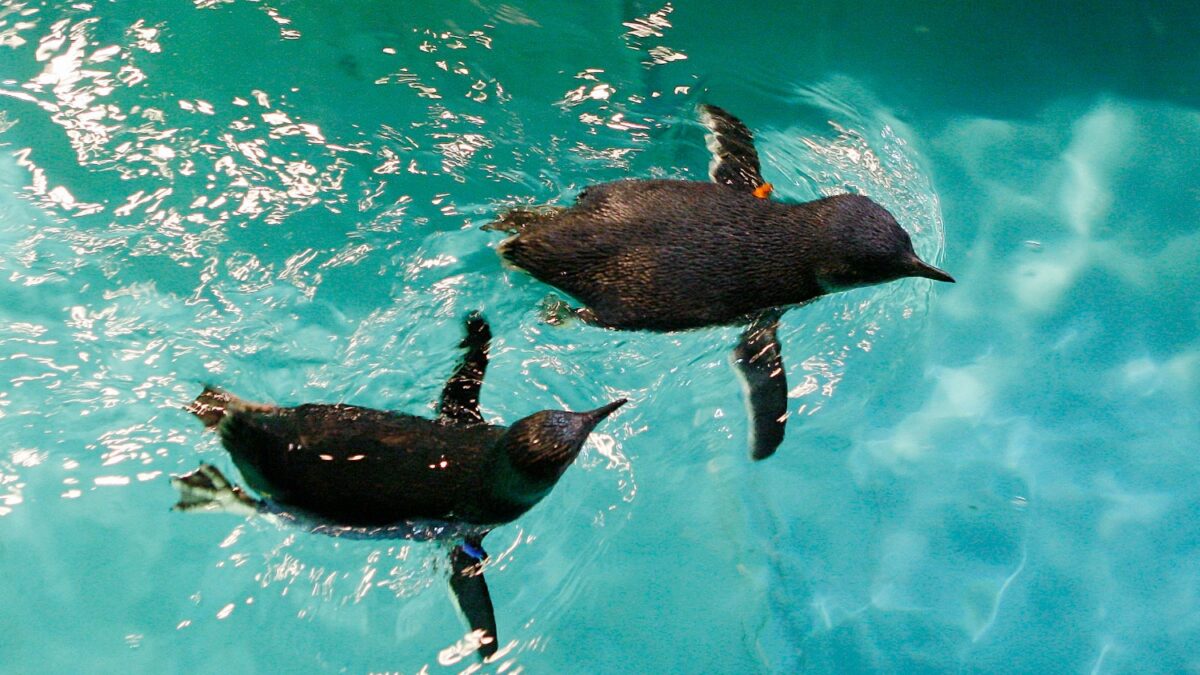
(541, 446)
(867, 246)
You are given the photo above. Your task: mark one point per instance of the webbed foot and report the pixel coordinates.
(207, 489)
(558, 312)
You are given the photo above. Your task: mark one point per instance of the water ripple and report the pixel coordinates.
(297, 219)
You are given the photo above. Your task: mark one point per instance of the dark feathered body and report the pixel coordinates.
(667, 255)
(671, 255)
(351, 471)
(360, 466)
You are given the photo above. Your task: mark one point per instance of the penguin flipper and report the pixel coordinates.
(460, 396)
(759, 362)
(471, 592)
(735, 161)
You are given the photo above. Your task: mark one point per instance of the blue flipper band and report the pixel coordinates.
(474, 550)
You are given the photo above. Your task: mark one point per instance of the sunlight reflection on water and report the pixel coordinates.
(312, 235)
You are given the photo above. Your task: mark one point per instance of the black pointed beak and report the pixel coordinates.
(923, 269)
(594, 416)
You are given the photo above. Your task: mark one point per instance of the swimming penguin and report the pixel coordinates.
(665, 255)
(355, 472)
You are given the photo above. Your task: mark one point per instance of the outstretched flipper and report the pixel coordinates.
(471, 592)
(759, 363)
(207, 489)
(735, 161)
(460, 396)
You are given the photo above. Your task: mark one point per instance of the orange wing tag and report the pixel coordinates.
(763, 191)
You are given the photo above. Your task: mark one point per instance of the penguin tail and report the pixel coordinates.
(514, 253)
(210, 405)
(520, 219)
(207, 489)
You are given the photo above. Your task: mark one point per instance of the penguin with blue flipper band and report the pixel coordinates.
(356, 472)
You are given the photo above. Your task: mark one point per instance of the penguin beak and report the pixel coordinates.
(594, 416)
(923, 269)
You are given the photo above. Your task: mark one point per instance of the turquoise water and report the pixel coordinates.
(285, 198)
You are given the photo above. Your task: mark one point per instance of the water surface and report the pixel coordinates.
(285, 199)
